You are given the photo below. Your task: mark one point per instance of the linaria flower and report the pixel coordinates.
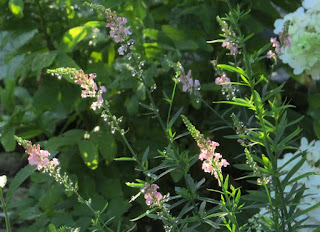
(212, 161)
(188, 84)
(151, 195)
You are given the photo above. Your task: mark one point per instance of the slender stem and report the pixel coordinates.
(4, 207)
(101, 222)
(44, 27)
(156, 110)
(124, 138)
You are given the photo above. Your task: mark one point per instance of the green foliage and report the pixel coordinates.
(39, 35)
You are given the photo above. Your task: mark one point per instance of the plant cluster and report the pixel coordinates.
(250, 182)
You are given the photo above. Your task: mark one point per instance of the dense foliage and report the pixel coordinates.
(141, 138)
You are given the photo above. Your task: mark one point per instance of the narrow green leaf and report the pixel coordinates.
(145, 154)
(125, 159)
(233, 69)
(174, 118)
(293, 171)
(144, 214)
(220, 214)
(134, 185)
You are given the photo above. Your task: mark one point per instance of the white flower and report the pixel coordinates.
(3, 181)
(311, 5)
(300, 33)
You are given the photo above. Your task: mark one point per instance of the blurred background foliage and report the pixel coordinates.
(40, 34)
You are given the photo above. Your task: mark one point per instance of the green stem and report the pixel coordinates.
(101, 222)
(44, 27)
(156, 110)
(4, 207)
(124, 138)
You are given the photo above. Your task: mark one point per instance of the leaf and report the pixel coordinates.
(143, 215)
(233, 69)
(43, 60)
(125, 159)
(63, 60)
(16, 7)
(72, 37)
(106, 143)
(7, 138)
(133, 105)
(174, 118)
(30, 133)
(140, 9)
(94, 24)
(151, 33)
(173, 33)
(220, 214)
(18, 179)
(69, 138)
(145, 154)
(89, 153)
(293, 171)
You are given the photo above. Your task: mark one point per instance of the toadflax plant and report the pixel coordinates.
(268, 139)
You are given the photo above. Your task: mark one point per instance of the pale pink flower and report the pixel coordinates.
(33, 158)
(152, 197)
(39, 157)
(212, 161)
(188, 84)
(222, 80)
(116, 24)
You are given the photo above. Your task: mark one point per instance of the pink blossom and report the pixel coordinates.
(116, 24)
(207, 167)
(212, 160)
(151, 195)
(188, 84)
(230, 43)
(39, 157)
(222, 80)
(33, 158)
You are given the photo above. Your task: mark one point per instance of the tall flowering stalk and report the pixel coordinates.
(41, 158)
(213, 163)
